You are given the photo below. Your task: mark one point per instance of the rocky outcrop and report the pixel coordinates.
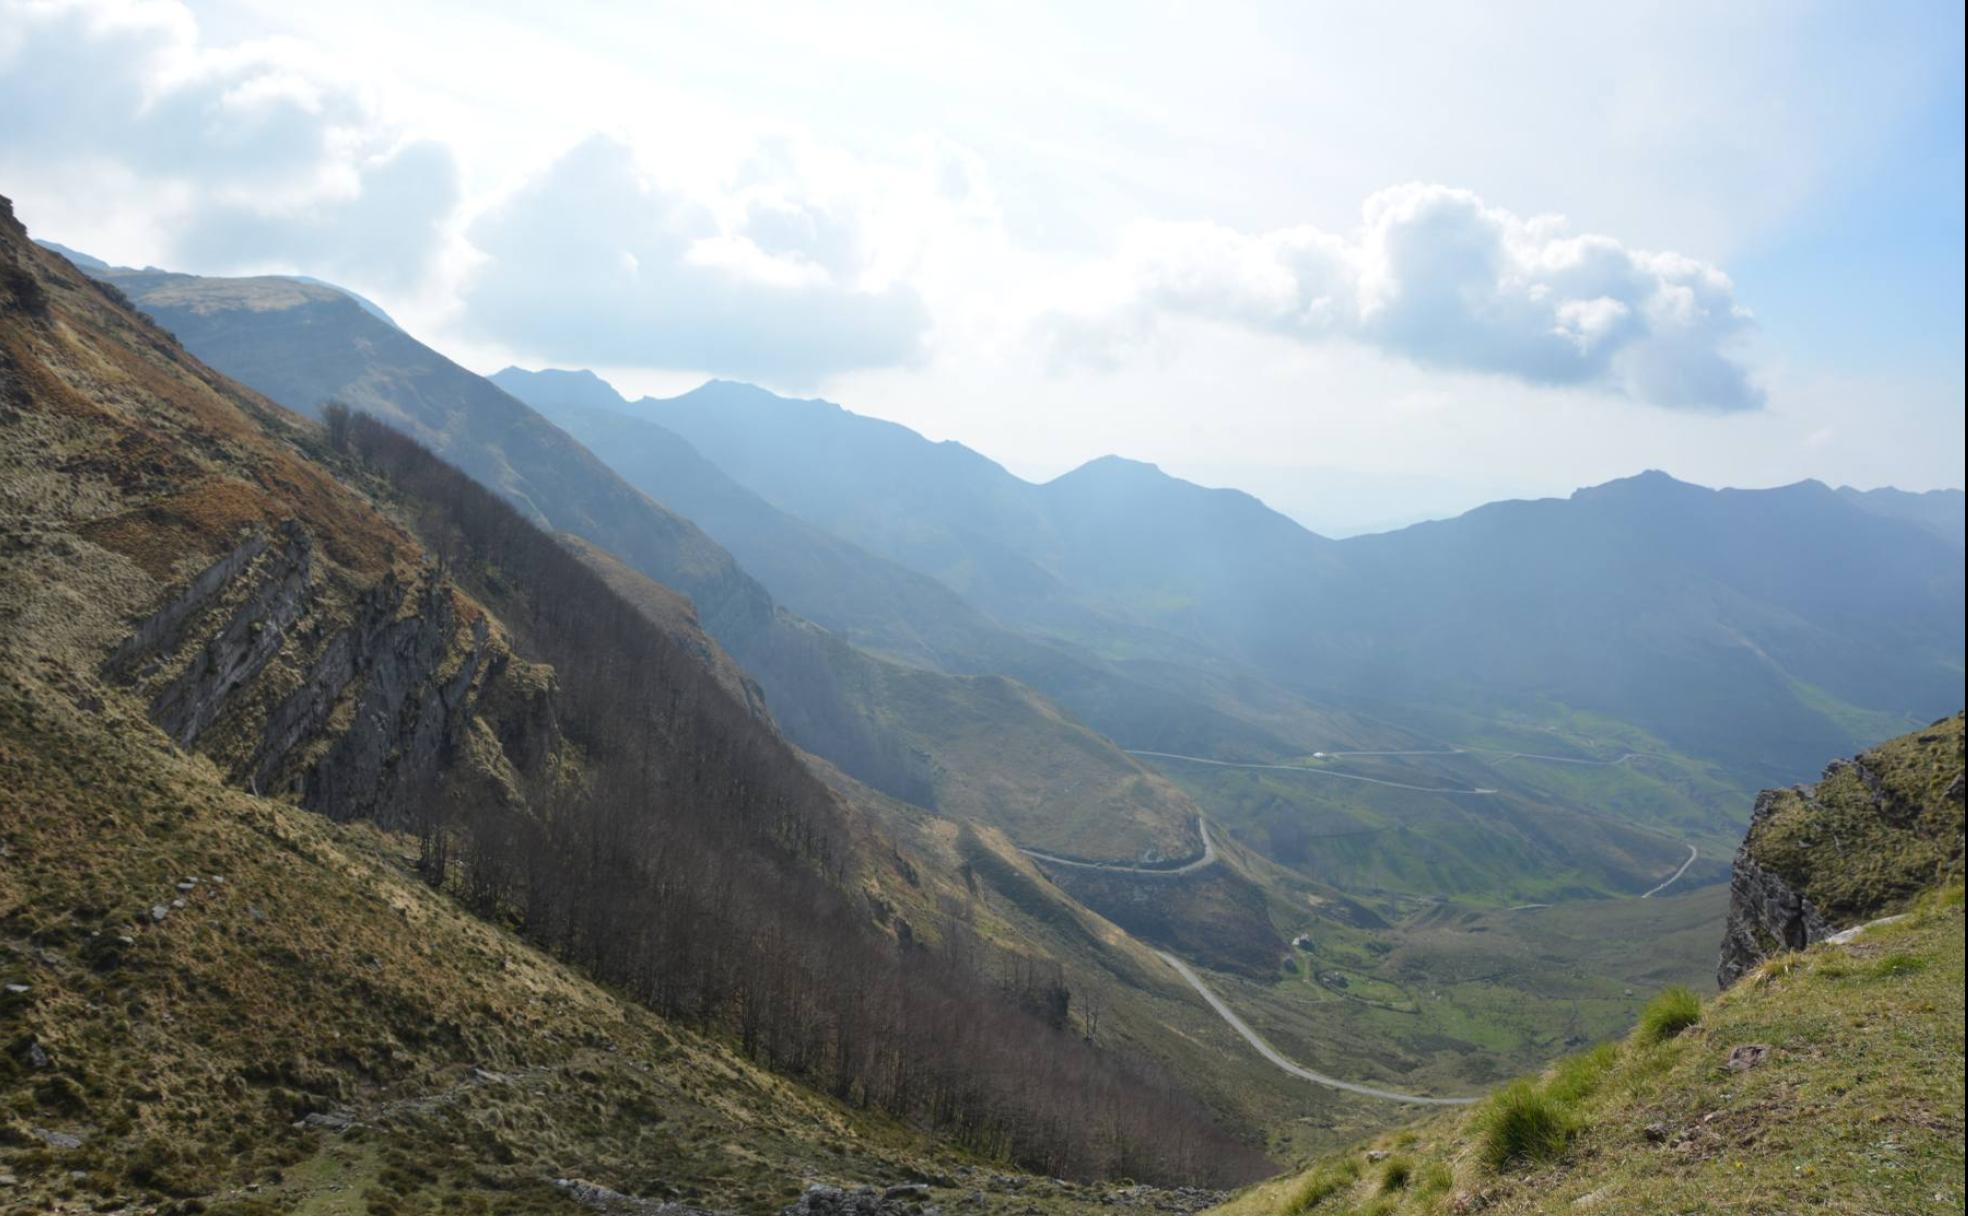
(598, 1198)
(1870, 837)
(253, 632)
(407, 712)
(352, 701)
(1766, 915)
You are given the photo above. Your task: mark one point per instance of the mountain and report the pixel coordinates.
(935, 507)
(884, 607)
(872, 602)
(1938, 511)
(1194, 704)
(367, 305)
(1703, 617)
(911, 734)
(1747, 626)
(1778, 1095)
(287, 706)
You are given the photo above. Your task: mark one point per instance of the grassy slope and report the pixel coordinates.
(1856, 1109)
(311, 971)
(1857, 1106)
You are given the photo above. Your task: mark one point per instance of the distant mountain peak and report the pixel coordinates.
(560, 386)
(1114, 462)
(745, 392)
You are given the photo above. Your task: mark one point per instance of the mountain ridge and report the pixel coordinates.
(1151, 561)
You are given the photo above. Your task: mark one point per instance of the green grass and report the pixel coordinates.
(1396, 1173)
(1322, 1184)
(1523, 1125)
(1668, 1014)
(1856, 1107)
(1832, 844)
(1578, 1077)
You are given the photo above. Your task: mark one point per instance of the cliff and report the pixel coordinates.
(1875, 832)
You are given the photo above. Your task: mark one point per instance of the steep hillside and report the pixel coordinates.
(335, 617)
(223, 1000)
(1826, 1080)
(304, 345)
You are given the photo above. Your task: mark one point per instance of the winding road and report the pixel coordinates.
(1272, 1054)
(1209, 851)
(1692, 854)
(1115, 867)
(1317, 772)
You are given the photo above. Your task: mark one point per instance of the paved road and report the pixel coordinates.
(1500, 754)
(1692, 854)
(1316, 772)
(1271, 1053)
(1115, 867)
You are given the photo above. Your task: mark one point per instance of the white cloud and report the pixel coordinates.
(590, 262)
(1435, 276)
(243, 156)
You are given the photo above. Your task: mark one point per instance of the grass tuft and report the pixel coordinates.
(1522, 1125)
(1668, 1014)
(1322, 1184)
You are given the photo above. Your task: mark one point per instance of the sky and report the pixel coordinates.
(1372, 263)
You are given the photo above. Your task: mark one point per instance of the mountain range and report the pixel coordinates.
(964, 818)
(1650, 601)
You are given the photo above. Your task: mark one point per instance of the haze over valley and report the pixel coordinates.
(901, 648)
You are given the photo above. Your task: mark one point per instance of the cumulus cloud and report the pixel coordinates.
(239, 155)
(383, 231)
(589, 262)
(1435, 276)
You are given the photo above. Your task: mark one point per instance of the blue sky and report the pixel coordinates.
(1870, 275)
(1372, 263)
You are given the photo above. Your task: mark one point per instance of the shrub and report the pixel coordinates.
(1668, 1014)
(1523, 1126)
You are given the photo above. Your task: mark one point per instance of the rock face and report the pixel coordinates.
(1873, 834)
(354, 701)
(1766, 915)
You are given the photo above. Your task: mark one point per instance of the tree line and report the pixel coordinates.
(673, 845)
